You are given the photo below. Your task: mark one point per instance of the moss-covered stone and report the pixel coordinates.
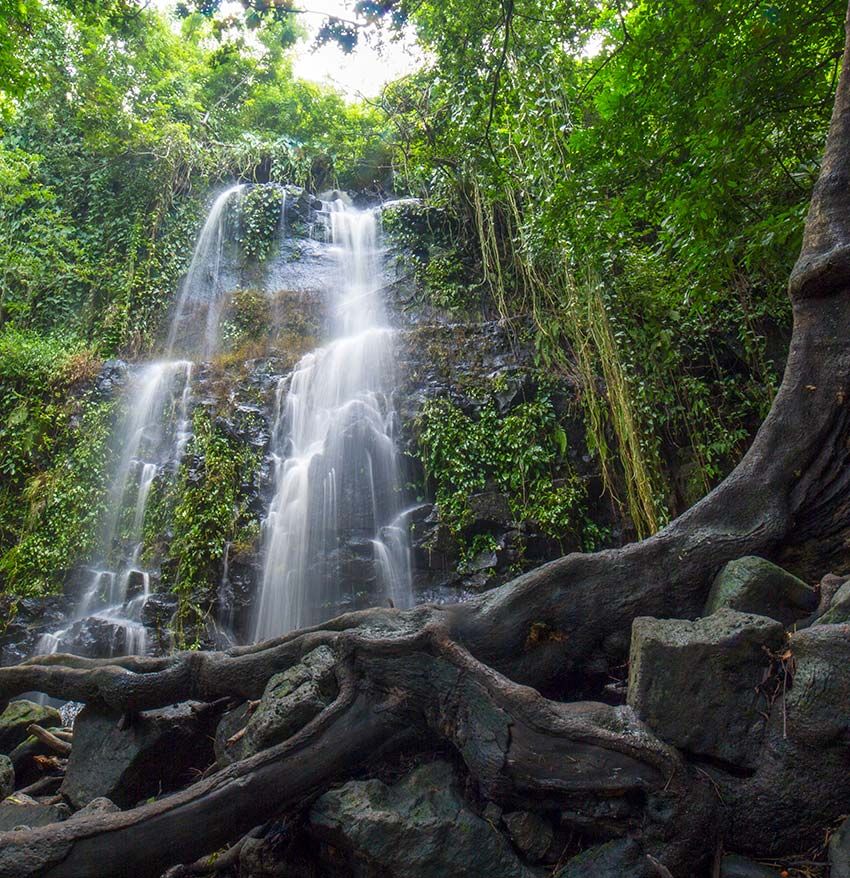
(18, 716)
(755, 585)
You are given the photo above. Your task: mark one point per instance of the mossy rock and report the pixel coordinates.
(18, 717)
(755, 585)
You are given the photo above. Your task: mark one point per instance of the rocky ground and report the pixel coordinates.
(704, 686)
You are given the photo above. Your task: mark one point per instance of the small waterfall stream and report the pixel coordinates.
(331, 538)
(150, 442)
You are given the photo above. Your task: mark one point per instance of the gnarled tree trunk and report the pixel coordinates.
(462, 675)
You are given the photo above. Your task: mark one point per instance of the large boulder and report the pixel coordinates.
(530, 832)
(418, 828)
(802, 769)
(754, 585)
(18, 717)
(156, 753)
(23, 810)
(698, 684)
(839, 607)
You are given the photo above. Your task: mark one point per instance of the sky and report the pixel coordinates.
(362, 73)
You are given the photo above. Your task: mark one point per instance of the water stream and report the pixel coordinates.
(331, 538)
(149, 443)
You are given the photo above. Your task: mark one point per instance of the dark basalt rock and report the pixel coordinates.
(158, 610)
(754, 585)
(698, 684)
(530, 832)
(417, 828)
(16, 719)
(157, 753)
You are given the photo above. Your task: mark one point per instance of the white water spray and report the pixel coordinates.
(330, 539)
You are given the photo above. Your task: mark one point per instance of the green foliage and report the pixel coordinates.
(425, 240)
(116, 136)
(210, 511)
(523, 455)
(258, 216)
(65, 504)
(248, 318)
(54, 452)
(668, 149)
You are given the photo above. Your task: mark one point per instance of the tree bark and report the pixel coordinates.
(463, 674)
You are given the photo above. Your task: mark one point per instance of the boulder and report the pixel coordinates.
(229, 726)
(291, 699)
(697, 684)
(23, 810)
(7, 777)
(802, 766)
(839, 851)
(18, 716)
(98, 806)
(419, 827)
(156, 753)
(530, 832)
(754, 585)
(733, 866)
(622, 858)
(839, 607)
(275, 851)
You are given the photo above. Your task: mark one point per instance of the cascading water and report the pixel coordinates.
(195, 324)
(150, 443)
(151, 439)
(332, 541)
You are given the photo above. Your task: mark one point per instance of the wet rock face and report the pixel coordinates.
(417, 828)
(156, 753)
(699, 685)
(33, 617)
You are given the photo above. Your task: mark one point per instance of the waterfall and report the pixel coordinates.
(195, 324)
(331, 541)
(150, 441)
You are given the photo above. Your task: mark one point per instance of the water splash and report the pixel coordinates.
(330, 537)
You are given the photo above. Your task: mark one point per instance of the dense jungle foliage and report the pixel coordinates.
(623, 184)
